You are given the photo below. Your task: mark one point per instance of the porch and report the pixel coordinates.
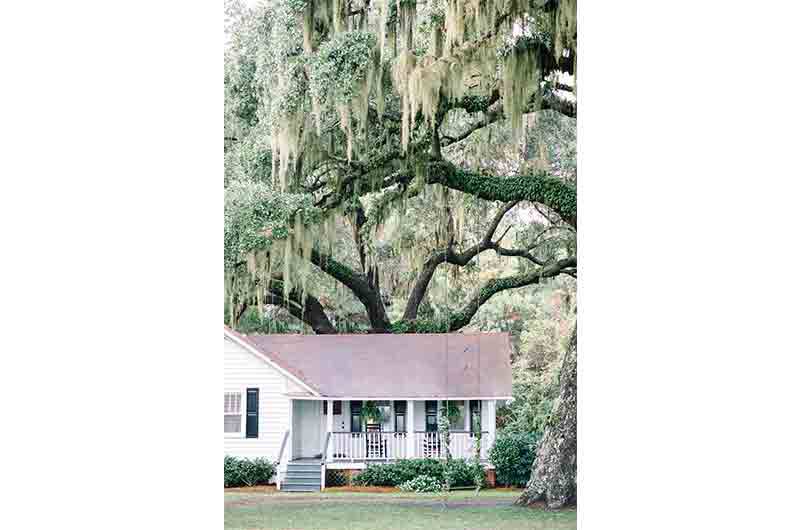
(340, 433)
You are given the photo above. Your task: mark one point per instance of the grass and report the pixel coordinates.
(340, 510)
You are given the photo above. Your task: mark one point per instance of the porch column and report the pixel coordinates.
(290, 440)
(467, 417)
(329, 430)
(491, 420)
(410, 436)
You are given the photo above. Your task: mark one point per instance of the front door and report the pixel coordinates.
(307, 428)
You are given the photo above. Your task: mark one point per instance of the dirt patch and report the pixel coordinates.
(253, 489)
(362, 489)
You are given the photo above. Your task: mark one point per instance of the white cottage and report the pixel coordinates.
(302, 400)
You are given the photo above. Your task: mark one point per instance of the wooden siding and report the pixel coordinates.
(244, 370)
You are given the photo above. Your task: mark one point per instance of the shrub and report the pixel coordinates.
(246, 472)
(512, 457)
(462, 472)
(422, 484)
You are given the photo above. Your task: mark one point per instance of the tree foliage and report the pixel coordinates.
(382, 156)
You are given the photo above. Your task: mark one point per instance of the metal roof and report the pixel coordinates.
(453, 365)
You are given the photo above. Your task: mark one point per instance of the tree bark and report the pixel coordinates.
(554, 472)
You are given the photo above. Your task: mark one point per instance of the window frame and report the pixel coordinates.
(475, 406)
(242, 412)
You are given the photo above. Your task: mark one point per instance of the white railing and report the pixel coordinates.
(368, 445)
(462, 444)
(350, 446)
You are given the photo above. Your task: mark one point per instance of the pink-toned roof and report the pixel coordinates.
(395, 366)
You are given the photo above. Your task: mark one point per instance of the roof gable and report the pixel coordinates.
(271, 359)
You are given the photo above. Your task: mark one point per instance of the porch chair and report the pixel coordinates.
(375, 448)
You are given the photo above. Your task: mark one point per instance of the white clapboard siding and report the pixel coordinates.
(244, 370)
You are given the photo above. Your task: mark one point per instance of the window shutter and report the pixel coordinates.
(431, 419)
(399, 416)
(251, 430)
(355, 416)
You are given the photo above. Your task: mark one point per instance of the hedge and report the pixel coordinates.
(463, 472)
(246, 472)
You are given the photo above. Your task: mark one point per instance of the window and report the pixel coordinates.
(399, 416)
(457, 424)
(355, 416)
(233, 412)
(474, 415)
(385, 408)
(431, 423)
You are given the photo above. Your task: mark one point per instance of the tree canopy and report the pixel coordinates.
(388, 157)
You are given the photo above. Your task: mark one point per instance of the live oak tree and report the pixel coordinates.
(352, 113)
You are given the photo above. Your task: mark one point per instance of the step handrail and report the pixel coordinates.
(325, 448)
(283, 446)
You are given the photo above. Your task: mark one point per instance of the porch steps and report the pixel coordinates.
(303, 475)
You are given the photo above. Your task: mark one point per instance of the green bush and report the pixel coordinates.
(422, 484)
(462, 472)
(512, 456)
(246, 472)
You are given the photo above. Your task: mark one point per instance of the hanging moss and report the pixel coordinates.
(566, 27)
(521, 78)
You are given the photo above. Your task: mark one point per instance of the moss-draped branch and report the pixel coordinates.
(461, 318)
(540, 188)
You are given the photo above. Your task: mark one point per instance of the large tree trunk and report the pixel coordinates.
(554, 472)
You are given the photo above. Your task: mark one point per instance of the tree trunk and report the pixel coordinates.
(554, 472)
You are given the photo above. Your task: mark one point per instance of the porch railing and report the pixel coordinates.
(462, 444)
(368, 445)
(376, 446)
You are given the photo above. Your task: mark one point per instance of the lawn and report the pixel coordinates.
(340, 510)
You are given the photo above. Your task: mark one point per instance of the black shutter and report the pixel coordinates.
(431, 421)
(251, 430)
(399, 416)
(355, 416)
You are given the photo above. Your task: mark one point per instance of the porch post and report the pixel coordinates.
(467, 417)
(290, 441)
(329, 455)
(410, 436)
(491, 419)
